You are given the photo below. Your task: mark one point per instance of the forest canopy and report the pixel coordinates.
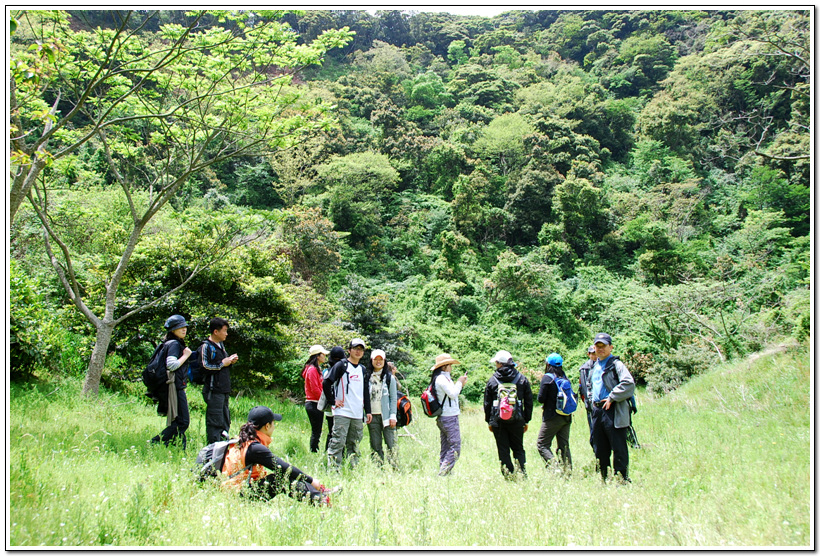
(429, 182)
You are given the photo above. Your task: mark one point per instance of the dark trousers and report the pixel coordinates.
(176, 430)
(274, 483)
(557, 427)
(315, 417)
(609, 440)
(510, 437)
(329, 419)
(589, 422)
(217, 416)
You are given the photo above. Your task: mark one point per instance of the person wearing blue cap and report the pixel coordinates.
(553, 424)
(173, 400)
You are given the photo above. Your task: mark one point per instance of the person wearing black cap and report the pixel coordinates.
(611, 386)
(583, 377)
(250, 462)
(174, 401)
(345, 391)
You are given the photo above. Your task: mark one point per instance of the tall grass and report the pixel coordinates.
(726, 462)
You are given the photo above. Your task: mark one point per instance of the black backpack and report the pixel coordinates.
(154, 376)
(196, 372)
(404, 411)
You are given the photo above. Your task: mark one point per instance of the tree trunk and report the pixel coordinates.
(91, 386)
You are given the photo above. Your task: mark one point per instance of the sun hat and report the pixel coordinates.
(602, 337)
(174, 322)
(444, 359)
(317, 349)
(555, 360)
(378, 353)
(356, 342)
(261, 416)
(502, 357)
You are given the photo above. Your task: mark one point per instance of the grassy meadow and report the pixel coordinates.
(726, 462)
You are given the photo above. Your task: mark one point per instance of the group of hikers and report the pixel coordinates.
(341, 390)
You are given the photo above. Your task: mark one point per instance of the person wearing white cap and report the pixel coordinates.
(383, 398)
(447, 393)
(507, 411)
(313, 391)
(344, 389)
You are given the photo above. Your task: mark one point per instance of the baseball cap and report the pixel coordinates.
(502, 357)
(602, 337)
(555, 360)
(317, 349)
(356, 342)
(261, 416)
(591, 349)
(378, 353)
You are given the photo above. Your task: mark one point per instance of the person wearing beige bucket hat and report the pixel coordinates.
(447, 392)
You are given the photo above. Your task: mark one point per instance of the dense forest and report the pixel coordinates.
(429, 182)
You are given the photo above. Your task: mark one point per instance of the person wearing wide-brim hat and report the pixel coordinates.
(313, 391)
(447, 393)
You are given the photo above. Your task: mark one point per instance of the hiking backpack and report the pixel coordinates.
(196, 372)
(507, 402)
(430, 404)
(154, 375)
(565, 402)
(404, 410)
(211, 458)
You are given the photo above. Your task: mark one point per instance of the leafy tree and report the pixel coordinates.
(315, 246)
(358, 187)
(162, 111)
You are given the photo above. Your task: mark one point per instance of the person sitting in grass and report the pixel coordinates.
(253, 470)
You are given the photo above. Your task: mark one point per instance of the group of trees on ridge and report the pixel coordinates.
(430, 182)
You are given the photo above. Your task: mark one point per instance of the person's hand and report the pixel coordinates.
(392, 423)
(607, 403)
(186, 352)
(338, 404)
(526, 427)
(490, 427)
(369, 418)
(316, 484)
(463, 379)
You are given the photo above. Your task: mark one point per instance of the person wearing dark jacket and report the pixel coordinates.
(252, 469)
(217, 388)
(509, 433)
(173, 400)
(553, 424)
(583, 378)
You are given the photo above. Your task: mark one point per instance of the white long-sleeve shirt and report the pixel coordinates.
(446, 387)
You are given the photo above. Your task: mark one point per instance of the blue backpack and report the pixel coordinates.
(565, 403)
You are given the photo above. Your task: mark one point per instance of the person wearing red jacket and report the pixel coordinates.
(313, 391)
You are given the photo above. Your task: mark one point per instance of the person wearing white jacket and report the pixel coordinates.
(447, 392)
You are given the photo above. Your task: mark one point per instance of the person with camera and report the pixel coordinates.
(217, 388)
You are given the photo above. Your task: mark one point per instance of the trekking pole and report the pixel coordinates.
(413, 436)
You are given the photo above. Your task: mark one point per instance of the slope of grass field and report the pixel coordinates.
(726, 462)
